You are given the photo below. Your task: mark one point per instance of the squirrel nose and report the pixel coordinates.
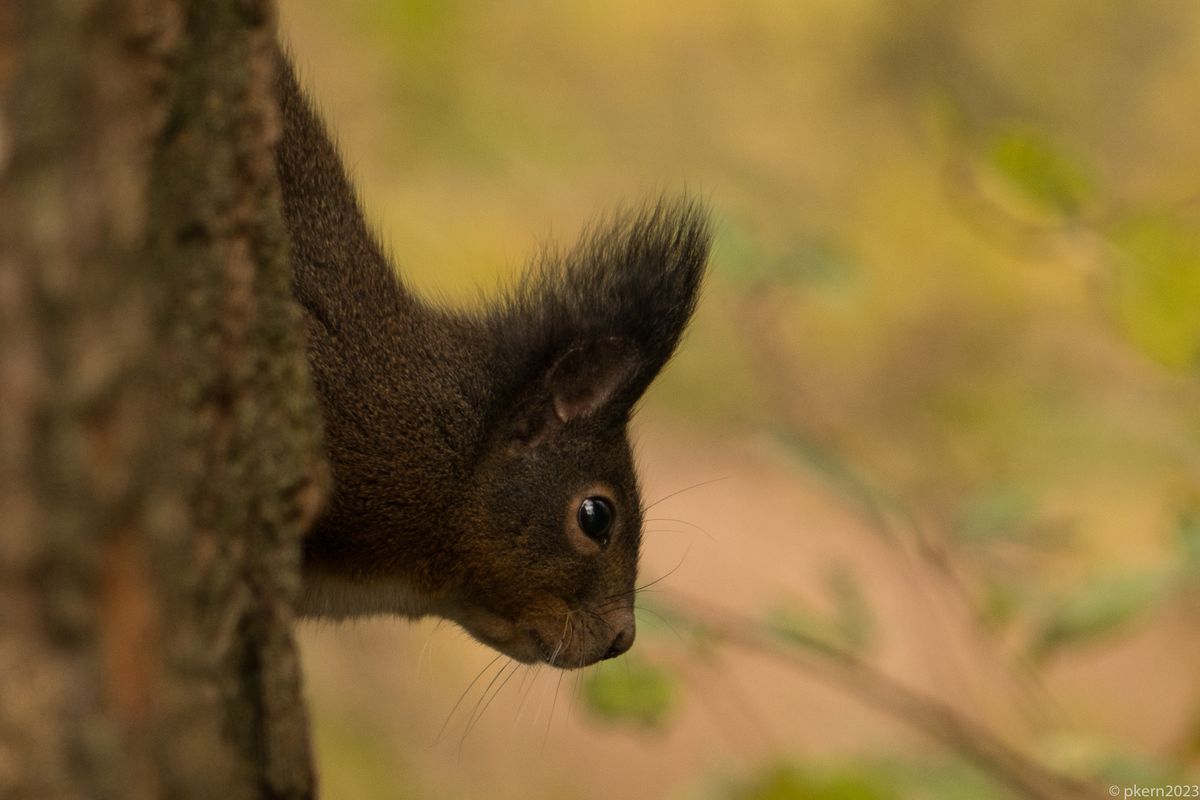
(621, 642)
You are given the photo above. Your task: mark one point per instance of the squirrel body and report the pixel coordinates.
(481, 465)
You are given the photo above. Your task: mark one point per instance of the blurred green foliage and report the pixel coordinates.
(1040, 171)
(866, 779)
(631, 691)
(1157, 265)
(849, 624)
(1098, 607)
(790, 782)
(1188, 541)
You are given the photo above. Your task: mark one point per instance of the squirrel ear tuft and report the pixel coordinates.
(597, 323)
(587, 378)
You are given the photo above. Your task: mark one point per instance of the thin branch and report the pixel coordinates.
(920, 711)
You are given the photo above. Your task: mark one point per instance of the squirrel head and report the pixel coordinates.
(550, 530)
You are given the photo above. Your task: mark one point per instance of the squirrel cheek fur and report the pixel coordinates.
(481, 464)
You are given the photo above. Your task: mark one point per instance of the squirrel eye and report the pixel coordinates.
(595, 518)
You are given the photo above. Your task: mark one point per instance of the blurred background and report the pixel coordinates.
(926, 472)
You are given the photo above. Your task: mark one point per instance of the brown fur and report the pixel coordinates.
(461, 444)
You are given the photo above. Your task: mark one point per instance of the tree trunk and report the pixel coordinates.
(159, 440)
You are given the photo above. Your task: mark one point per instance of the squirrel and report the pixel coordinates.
(481, 465)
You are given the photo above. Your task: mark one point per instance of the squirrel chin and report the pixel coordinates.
(335, 598)
(332, 597)
(552, 633)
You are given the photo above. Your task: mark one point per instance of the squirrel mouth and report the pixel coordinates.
(543, 649)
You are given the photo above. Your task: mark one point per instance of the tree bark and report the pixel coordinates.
(159, 440)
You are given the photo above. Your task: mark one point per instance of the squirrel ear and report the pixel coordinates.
(596, 323)
(587, 378)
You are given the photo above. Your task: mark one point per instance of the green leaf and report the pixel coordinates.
(794, 782)
(1158, 289)
(850, 626)
(1000, 602)
(1187, 527)
(1099, 607)
(1039, 170)
(800, 626)
(1000, 513)
(853, 619)
(633, 692)
(866, 778)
